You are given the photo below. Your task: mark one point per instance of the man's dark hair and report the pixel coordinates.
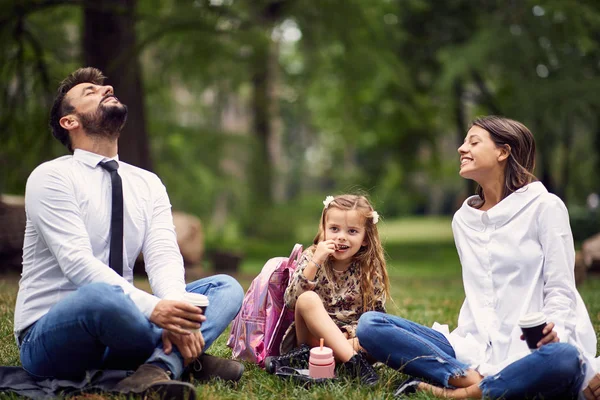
(60, 108)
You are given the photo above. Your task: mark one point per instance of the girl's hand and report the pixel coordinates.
(549, 335)
(323, 251)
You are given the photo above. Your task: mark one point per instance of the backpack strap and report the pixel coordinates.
(286, 317)
(295, 255)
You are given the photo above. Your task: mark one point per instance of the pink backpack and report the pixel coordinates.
(258, 329)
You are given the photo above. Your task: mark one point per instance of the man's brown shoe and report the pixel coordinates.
(207, 367)
(155, 383)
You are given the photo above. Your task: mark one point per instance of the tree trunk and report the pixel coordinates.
(266, 125)
(486, 96)
(262, 172)
(544, 155)
(278, 160)
(567, 136)
(109, 43)
(597, 148)
(461, 128)
(12, 221)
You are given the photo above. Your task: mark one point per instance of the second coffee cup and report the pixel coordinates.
(532, 326)
(198, 300)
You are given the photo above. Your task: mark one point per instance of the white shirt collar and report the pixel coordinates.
(502, 212)
(91, 159)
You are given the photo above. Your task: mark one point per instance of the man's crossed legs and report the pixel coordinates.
(99, 327)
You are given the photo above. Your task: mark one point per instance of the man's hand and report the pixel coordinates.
(592, 391)
(177, 316)
(190, 346)
(549, 335)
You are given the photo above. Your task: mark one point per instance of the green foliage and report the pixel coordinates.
(33, 49)
(375, 95)
(189, 161)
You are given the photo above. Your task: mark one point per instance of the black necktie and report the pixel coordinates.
(116, 218)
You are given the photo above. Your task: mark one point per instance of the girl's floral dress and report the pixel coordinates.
(341, 297)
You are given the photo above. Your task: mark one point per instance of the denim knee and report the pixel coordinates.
(226, 286)
(366, 330)
(366, 321)
(100, 296)
(554, 371)
(564, 359)
(235, 291)
(103, 304)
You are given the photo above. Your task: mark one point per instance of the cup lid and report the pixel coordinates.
(318, 354)
(532, 319)
(195, 299)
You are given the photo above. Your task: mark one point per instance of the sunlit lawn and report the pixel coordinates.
(426, 287)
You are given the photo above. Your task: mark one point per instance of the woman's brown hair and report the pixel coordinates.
(519, 141)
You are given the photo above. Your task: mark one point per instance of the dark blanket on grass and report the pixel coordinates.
(18, 381)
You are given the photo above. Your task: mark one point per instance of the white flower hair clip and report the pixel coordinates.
(328, 201)
(375, 216)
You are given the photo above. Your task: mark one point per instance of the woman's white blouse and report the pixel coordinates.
(518, 257)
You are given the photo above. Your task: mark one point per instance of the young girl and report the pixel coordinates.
(516, 250)
(338, 278)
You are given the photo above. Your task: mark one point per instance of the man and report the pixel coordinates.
(89, 216)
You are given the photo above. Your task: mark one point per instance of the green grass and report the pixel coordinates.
(426, 287)
(416, 230)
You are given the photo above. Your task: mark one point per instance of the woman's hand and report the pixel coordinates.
(323, 251)
(549, 335)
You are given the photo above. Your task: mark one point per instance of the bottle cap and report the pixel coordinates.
(317, 353)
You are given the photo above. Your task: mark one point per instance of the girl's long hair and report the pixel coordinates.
(521, 160)
(370, 258)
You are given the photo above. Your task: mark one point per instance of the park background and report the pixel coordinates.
(251, 112)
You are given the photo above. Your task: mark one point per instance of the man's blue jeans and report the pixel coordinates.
(553, 371)
(99, 327)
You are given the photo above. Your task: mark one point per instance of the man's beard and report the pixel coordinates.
(106, 121)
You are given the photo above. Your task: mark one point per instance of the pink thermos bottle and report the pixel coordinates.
(321, 363)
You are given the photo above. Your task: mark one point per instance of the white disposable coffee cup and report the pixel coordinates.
(532, 326)
(198, 300)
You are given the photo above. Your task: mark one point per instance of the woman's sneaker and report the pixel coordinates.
(296, 358)
(359, 367)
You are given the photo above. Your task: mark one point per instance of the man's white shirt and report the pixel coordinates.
(67, 236)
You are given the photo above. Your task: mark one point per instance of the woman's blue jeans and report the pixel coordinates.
(99, 327)
(553, 371)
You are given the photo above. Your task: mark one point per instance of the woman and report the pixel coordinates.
(517, 255)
